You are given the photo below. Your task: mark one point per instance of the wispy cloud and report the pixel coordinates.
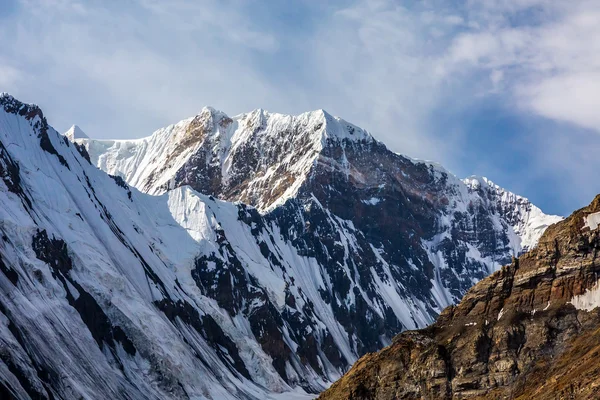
(547, 55)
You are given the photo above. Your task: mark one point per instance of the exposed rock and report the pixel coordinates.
(515, 335)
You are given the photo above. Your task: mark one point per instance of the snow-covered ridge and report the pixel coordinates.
(154, 164)
(97, 293)
(150, 163)
(527, 220)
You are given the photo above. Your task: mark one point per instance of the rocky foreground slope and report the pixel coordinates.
(529, 331)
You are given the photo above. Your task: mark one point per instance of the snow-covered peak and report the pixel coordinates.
(75, 132)
(263, 158)
(214, 114)
(527, 220)
(274, 151)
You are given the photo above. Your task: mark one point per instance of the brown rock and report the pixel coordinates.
(515, 335)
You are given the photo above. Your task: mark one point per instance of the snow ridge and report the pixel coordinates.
(527, 220)
(150, 163)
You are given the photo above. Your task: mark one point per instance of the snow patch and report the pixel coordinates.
(592, 221)
(588, 300)
(372, 201)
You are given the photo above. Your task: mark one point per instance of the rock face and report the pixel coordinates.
(529, 331)
(109, 292)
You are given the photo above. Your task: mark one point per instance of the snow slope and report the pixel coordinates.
(97, 297)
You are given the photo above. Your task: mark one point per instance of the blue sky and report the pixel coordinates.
(508, 89)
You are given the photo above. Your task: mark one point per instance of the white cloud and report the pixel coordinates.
(552, 66)
(145, 63)
(9, 76)
(571, 97)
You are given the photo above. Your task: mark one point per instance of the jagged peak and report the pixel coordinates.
(214, 113)
(476, 182)
(336, 127)
(14, 106)
(75, 132)
(320, 124)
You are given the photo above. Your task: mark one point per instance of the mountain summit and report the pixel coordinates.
(75, 132)
(259, 158)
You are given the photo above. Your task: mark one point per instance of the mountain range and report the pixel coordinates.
(248, 257)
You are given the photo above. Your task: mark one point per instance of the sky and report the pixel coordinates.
(507, 89)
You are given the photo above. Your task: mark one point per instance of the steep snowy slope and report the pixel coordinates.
(99, 297)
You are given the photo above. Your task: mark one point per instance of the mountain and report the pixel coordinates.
(75, 132)
(529, 331)
(395, 237)
(100, 294)
(267, 255)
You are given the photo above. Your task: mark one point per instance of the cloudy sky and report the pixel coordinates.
(508, 89)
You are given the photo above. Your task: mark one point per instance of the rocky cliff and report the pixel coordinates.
(528, 331)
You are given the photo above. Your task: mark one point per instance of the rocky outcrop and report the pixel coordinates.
(529, 331)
